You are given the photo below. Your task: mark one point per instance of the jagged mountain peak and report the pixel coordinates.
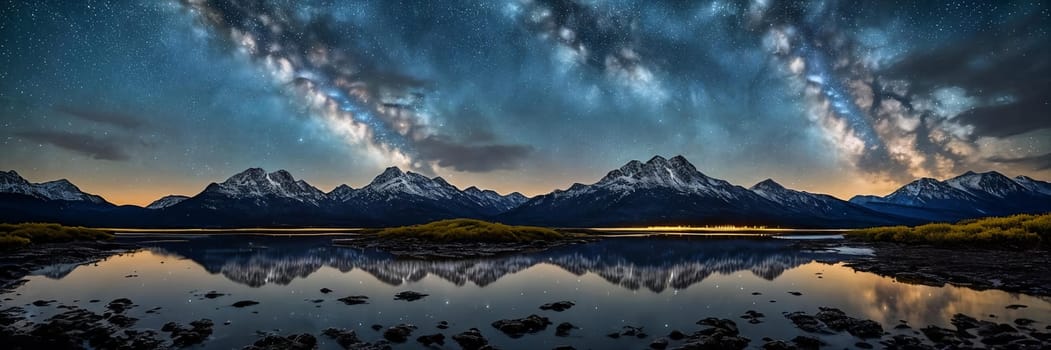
(257, 183)
(767, 185)
(62, 189)
(167, 201)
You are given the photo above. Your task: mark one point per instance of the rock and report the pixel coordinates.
(795, 293)
(119, 305)
(614, 335)
(472, 339)
(213, 294)
(676, 335)
(182, 337)
(427, 340)
(517, 327)
(344, 337)
(839, 321)
(354, 300)
(631, 331)
(720, 323)
(325, 290)
(721, 334)
(399, 333)
(778, 345)
(563, 347)
(905, 342)
(940, 335)
(757, 293)
(963, 322)
(409, 296)
(863, 345)
(1016, 306)
(303, 341)
(442, 325)
(558, 306)
(377, 327)
(1024, 321)
(122, 321)
(807, 342)
(753, 316)
(659, 343)
(244, 303)
(562, 330)
(43, 302)
(1002, 338)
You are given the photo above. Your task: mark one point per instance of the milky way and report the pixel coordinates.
(523, 95)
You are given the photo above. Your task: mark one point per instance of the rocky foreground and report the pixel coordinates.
(15, 265)
(1026, 272)
(115, 329)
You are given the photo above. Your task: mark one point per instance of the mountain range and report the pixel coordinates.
(659, 191)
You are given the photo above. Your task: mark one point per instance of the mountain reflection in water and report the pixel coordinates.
(656, 264)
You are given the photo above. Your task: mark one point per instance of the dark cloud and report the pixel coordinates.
(94, 147)
(117, 119)
(1037, 162)
(473, 158)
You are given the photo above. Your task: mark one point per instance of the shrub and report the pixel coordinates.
(471, 230)
(18, 235)
(1016, 231)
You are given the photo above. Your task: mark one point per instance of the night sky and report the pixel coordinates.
(136, 101)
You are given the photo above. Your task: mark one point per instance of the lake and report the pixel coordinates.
(658, 283)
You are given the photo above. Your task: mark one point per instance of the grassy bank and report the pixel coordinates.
(14, 236)
(471, 230)
(1016, 231)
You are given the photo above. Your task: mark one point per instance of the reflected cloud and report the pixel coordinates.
(631, 264)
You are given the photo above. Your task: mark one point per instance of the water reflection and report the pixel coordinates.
(655, 264)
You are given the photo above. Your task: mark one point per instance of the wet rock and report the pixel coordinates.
(1016, 306)
(863, 345)
(344, 337)
(518, 327)
(1002, 338)
(43, 302)
(472, 339)
(905, 342)
(778, 345)
(676, 335)
(992, 328)
(325, 290)
(197, 333)
(721, 334)
(354, 300)
(558, 306)
(563, 347)
(631, 331)
(409, 296)
(122, 321)
(795, 293)
(442, 325)
(839, 321)
(377, 327)
(245, 303)
(562, 330)
(399, 333)
(659, 343)
(614, 335)
(753, 316)
(963, 322)
(807, 342)
(212, 295)
(427, 340)
(119, 305)
(940, 335)
(1024, 321)
(303, 341)
(805, 322)
(757, 293)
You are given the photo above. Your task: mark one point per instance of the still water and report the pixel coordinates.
(660, 284)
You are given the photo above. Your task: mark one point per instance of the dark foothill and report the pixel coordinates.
(558, 306)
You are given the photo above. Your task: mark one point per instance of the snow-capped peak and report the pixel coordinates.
(491, 199)
(676, 173)
(988, 183)
(767, 185)
(62, 189)
(1033, 184)
(167, 201)
(256, 183)
(393, 182)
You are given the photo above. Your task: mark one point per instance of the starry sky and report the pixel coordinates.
(134, 100)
